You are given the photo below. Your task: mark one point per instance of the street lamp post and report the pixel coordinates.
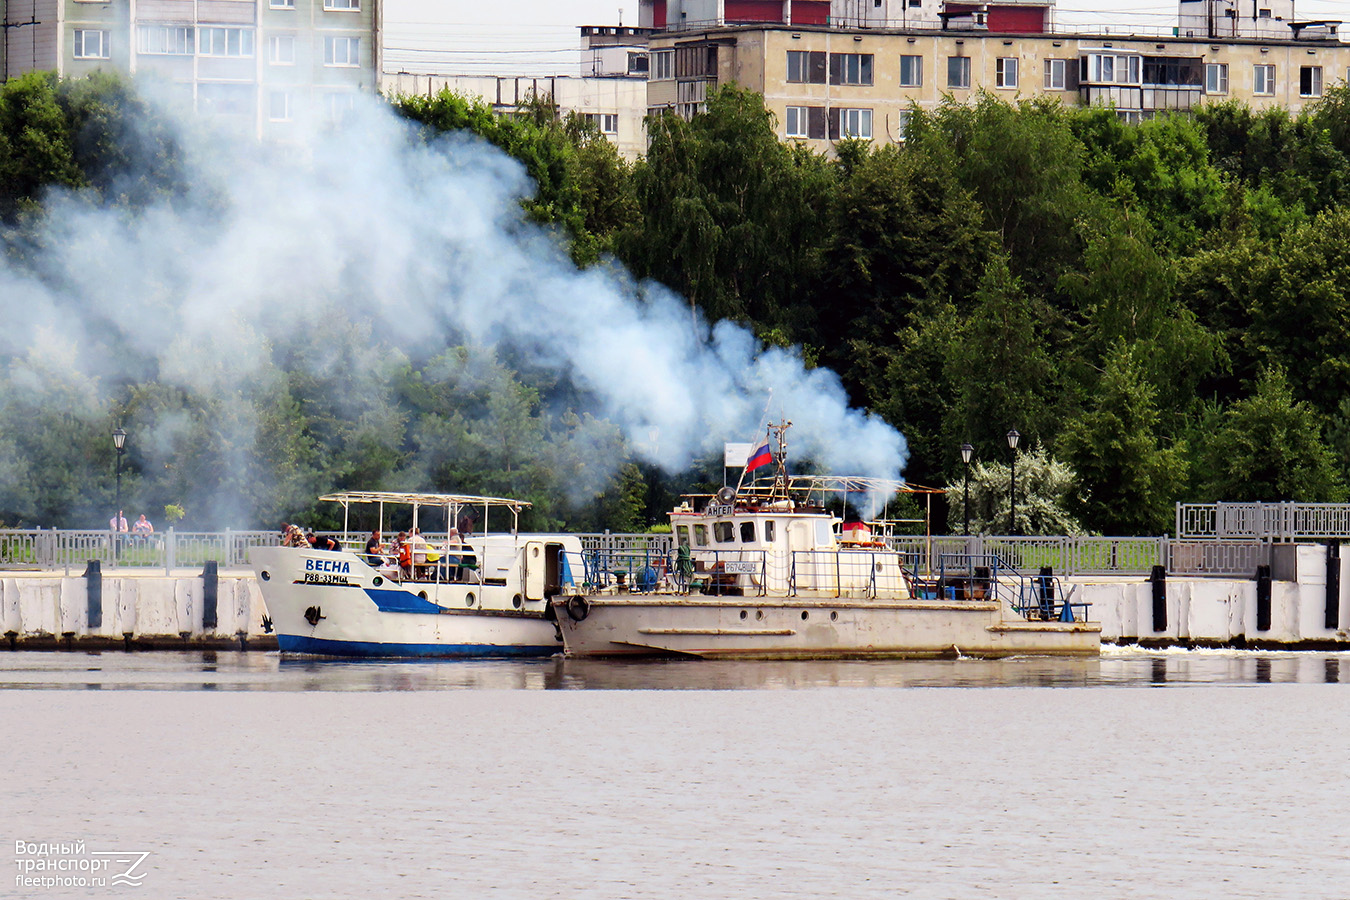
(119, 443)
(966, 451)
(1013, 438)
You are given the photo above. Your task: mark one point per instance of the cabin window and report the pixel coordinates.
(747, 532)
(768, 532)
(723, 532)
(701, 535)
(682, 531)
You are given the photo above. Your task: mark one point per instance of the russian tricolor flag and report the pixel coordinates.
(761, 457)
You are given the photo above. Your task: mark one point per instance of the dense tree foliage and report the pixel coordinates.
(1160, 308)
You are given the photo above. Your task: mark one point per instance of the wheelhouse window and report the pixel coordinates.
(958, 71)
(768, 531)
(1216, 78)
(851, 68)
(806, 67)
(701, 535)
(911, 71)
(724, 533)
(747, 532)
(1310, 81)
(682, 535)
(1005, 72)
(1263, 80)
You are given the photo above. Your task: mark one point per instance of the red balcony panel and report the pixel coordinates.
(1017, 19)
(810, 12)
(658, 13)
(742, 11)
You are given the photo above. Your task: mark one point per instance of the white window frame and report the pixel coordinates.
(1005, 72)
(281, 49)
(902, 125)
(80, 46)
(165, 40)
(341, 5)
(285, 114)
(221, 41)
(851, 69)
(916, 73)
(855, 123)
(1315, 89)
(663, 65)
(281, 4)
(964, 66)
(605, 123)
(349, 58)
(1056, 74)
(1263, 79)
(796, 122)
(1114, 68)
(1216, 78)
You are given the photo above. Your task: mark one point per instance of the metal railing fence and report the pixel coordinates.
(1263, 521)
(1216, 553)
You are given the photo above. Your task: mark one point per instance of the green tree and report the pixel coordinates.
(35, 142)
(1128, 480)
(1045, 488)
(1268, 448)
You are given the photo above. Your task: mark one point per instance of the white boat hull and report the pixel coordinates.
(810, 628)
(359, 612)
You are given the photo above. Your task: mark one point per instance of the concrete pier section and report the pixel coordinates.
(132, 610)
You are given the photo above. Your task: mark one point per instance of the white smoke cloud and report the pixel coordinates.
(414, 241)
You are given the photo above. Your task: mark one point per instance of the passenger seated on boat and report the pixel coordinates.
(294, 537)
(402, 551)
(374, 549)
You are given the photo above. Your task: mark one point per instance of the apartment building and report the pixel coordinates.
(608, 87)
(824, 83)
(261, 65)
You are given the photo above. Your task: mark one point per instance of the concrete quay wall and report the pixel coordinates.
(41, 609)
(132, 609)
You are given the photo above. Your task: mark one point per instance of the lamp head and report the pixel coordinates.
(1013, 438)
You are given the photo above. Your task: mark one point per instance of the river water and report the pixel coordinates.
(1172, 774)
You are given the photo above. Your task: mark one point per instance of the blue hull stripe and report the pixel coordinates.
(291, 643)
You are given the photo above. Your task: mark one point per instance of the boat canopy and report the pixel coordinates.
(452, 503)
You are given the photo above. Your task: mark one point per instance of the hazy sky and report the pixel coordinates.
(536, 37)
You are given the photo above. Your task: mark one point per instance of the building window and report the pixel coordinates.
(605, 123)
(1216, 78)
(796, 121)
(281, 4)
(225, 41)
(226, 99)
(1056, 74)
(806, 67)
(91, 44)
(279, 106)
(911, 71)
(1264, 14)
(1310, 81)
(164, 40)
(281, 49)
(663, 65)
(958, 71)
(341, 51)
(340, 106)
(902, 124)
(1005, 72)
(1264, 80)
(1108, 68)
(346, 5)
(805, 122)
(855, 123)
(637, 63)
(851, 68)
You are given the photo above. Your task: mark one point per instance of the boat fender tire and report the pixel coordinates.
(578, 609)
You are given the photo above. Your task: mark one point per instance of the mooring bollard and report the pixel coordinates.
(210, 594)
(93, 588)
(1158, 579)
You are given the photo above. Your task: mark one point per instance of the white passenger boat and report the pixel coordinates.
(481, 594)
(769, 573)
